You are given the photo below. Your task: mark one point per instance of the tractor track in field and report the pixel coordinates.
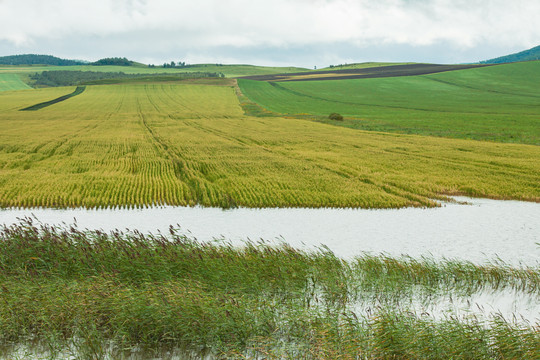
(79, 90)
(186, 174)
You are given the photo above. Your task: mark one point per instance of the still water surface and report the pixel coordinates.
(484, 230)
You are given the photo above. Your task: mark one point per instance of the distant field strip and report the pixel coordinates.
(10, 82)
(184, 144)
(363, 73)
(79, 90)
(227, 70)
(498, 103)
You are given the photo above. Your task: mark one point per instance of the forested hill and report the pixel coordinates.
(33, 59)
(114, 61)
(527, 55)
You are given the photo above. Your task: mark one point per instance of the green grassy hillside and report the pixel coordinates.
(498, 103)
(29, 59)
(527, 55)
(10, 82)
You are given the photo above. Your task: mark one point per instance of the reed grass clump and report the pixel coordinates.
(90, 294)
(335, 116)
(466, 277)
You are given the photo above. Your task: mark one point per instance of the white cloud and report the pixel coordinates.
(204, 24)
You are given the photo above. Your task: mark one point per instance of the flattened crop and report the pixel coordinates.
(181, 144)
(79, 90)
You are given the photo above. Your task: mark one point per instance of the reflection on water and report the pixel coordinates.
(36, 351)
(482, 231)
(513, 306)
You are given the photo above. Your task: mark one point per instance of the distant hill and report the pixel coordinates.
(33, 59)
(114, 61)
(527, 55)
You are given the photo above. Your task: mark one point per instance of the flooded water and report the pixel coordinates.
(484, 230)
(514, 306)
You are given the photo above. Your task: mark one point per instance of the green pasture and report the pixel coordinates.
(10, 82)
(499, 103)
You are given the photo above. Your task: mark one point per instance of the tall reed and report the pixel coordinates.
(97, 295)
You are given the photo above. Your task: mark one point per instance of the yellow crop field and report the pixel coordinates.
(186, 144)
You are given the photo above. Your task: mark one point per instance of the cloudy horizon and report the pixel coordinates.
(282, 32)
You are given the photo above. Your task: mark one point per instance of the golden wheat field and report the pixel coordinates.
(187, 144)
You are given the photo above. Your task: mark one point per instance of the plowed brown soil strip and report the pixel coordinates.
(374, 72)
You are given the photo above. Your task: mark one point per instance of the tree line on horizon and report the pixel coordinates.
(172, 65)
(33, 59)
(527, 55)
(70, 78)
(116, 61)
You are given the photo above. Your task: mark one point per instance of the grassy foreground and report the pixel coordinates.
(498, 103)
(187, 144)
(88, 294)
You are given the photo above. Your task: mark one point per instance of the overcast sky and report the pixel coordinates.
(271, 32)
